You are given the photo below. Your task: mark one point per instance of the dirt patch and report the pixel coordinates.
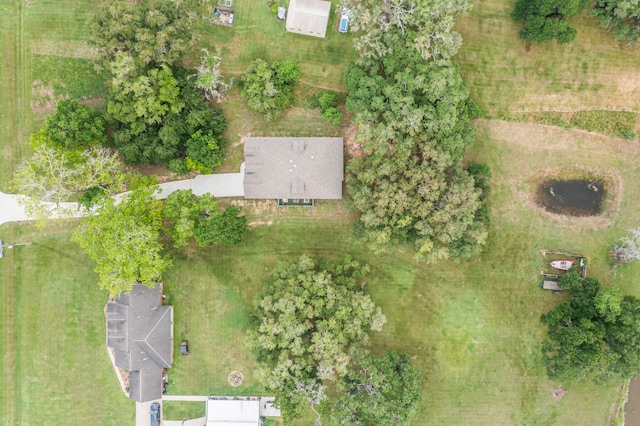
(257, 207)
(43, 98)
(160, 172)
(260, 223)
(92, 102)
(353, 148)
(235, 378)
(558, 393)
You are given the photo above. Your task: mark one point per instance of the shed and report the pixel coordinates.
(308, 17)
(233, 412)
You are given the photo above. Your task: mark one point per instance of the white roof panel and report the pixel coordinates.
(224, 412)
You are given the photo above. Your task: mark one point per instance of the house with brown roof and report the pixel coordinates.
(293, 168)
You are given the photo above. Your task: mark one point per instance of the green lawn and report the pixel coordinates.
(55, 367)
(592, 72)
(472, 327)
(258, 34)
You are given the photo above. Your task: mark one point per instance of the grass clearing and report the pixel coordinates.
(55, 365)
(591, 73)
(258, 34)
(73, 77)
(180, 410)
(473, 328)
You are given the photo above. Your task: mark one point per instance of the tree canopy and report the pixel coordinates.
(595, 335)
(190, 216)
(413, 120)
(123, 238)
(75, 126)
(312, 318)
(153, 33)
(159, 114)
(426, 26)
(54, 175)
(268, 88)
(620, 16)
(545, 20)
(379, 391)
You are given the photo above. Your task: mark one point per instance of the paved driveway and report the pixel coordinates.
(143, 416)
(218, 185)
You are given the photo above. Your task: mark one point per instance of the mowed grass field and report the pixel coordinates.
(592, 72)
(55, 368)
(472, 328)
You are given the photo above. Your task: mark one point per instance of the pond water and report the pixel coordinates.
(578, 197)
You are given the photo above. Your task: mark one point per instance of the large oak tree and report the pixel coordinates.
(595, 335)
(311, 319)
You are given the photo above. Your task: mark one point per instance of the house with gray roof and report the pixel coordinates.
(293, 168)
(140, 330)
(308, 17)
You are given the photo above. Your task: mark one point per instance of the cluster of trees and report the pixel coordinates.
(327, 102)
(620, 16)
(313, 323)
(125, 236)
(190, 216)
(413, 114)
(424, 26)
(268, 88)
(595, 335)
(67, 160)
(546, 20)
(160, 115)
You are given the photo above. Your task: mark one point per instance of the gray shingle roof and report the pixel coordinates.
(141, 331)
(293, 168)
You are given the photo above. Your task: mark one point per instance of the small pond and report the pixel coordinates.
(574, 197)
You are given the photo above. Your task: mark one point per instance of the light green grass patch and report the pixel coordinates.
(180, 410)
(73, 77)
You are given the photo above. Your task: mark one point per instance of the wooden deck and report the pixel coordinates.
(551, 285)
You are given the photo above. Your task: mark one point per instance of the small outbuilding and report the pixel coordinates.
(308, 17)
(233, 412)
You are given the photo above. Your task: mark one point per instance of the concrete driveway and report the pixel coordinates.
(218, 185)
(12, 211)
(143, 417)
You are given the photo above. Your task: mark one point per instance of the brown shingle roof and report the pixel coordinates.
(293, 168)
